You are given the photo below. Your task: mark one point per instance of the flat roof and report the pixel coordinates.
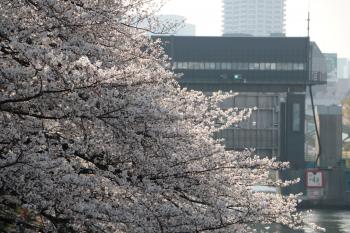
(221, 48)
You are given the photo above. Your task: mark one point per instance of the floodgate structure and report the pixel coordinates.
(272, 74)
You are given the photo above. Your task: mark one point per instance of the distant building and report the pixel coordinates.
(187, 30)
(174, 25)
(254, 17)
(343, 68)
(331, 61)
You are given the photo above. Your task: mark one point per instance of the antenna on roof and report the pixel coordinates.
(308, 19)
(308, 24)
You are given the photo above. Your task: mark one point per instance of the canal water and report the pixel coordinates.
(334, 221)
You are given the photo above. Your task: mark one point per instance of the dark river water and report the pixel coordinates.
(333, 220)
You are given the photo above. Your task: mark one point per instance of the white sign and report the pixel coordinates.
(314, 179)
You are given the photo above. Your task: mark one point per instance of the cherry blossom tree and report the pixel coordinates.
(97, 136)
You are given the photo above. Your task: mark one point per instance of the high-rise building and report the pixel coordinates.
(254, 17)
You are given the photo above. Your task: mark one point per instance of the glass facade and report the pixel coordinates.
(269, 66)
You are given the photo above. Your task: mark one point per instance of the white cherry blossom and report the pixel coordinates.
(97, 136)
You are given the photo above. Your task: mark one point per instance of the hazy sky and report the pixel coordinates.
(330, 20)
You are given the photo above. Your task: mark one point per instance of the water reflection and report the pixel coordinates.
(335, 221)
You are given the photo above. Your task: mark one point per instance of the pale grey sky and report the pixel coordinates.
(330, 20)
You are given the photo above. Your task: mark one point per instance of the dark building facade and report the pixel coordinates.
(247, 63)
(270, 73)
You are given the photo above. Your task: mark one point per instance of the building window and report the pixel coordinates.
(234, 66)
(207, 65)
(256, 66)
(245, 66)
(295, 66)
(284, 66)
(212, 65)
(224, 66)
(268, 66)
(296, 117)
(174, 65)
(185, 65)
(273, 66)
(190, 65)
(262, 66)
(278, 66)
(194, 65)
(238, 66)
